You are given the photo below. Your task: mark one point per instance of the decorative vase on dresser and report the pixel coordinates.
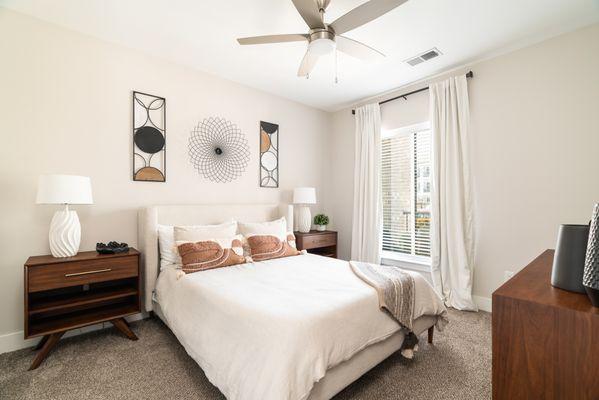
(570, 253)
(590, 279)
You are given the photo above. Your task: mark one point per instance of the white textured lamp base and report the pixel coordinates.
(304, 219)
(65, 233)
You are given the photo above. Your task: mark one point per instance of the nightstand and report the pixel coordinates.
(72, 292)
(323, 243)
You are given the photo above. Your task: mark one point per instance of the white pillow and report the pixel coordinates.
(197, 233)
(276, 228)
(166, 245)
(166, 238)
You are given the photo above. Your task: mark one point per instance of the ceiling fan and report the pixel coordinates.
(324, 38)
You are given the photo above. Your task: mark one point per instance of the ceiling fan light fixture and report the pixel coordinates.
(322, 46)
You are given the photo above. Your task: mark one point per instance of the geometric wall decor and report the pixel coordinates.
(218, 150)
(149, 138)
(269, 155)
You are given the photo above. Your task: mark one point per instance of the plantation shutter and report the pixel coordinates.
(406, 185)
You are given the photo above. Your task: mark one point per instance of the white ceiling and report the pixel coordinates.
(202, 34)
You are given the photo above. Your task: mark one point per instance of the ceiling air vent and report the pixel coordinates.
(430, 54)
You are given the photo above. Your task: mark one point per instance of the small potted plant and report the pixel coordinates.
(321, 221)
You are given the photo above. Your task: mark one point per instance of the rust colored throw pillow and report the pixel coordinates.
(266, 247)
(209, 254)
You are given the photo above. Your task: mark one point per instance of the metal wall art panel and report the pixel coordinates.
(149, 138)
(269, 155)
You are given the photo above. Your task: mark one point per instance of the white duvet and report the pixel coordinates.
(270, 330)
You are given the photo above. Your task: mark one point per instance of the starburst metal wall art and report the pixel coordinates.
(149, 138)
(218, 150)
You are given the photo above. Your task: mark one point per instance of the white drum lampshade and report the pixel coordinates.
(303, 196)
(65, 229)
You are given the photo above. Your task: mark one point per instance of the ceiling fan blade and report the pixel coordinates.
(357, 49)
(292, 37)
(363, 14)
(309, 11)
(308, 63)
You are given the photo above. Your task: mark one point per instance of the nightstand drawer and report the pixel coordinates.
(316, 241)
(52, 276)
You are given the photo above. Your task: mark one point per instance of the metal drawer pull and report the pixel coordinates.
(97, 271)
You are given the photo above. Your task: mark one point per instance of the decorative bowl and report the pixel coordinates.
(112, 248)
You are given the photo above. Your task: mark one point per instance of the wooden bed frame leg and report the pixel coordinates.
(123, 327)
(431, 331)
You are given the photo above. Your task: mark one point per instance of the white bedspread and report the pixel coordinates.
(270, 330)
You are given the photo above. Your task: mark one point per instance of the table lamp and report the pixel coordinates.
(303, 196)
(65, 229)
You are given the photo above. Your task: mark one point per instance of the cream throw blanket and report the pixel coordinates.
(395, 289)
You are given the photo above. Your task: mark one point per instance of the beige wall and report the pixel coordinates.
(535, 153)
(65, 107)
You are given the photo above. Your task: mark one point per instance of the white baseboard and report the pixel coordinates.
(15, 341)
(483, 303)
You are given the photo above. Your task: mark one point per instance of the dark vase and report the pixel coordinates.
(590, 278)
(570, 253)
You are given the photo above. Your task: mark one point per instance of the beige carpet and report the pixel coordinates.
(105, 365)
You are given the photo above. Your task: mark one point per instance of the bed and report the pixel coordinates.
(301, 327)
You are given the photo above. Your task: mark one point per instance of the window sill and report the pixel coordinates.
(422, 264)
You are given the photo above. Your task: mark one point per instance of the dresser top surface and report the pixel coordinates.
(533, 283)
(81, 256)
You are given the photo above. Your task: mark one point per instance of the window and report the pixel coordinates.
(406, 193)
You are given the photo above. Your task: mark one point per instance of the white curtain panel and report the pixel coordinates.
(366, 233)
(452, 209)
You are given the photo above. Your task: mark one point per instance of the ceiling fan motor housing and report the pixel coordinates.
(327, 33)
(321, 41)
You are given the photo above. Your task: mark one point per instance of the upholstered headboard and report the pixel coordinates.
(200, 214)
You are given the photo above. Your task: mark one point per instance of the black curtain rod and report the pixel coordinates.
(469, 74)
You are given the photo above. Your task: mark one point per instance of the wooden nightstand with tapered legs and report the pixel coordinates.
(323, 243)
(72, 292)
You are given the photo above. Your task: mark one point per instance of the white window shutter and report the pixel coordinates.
(405, 185)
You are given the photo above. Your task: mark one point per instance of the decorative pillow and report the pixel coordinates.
(277, 228)
(209, 254)
(192, 233)
(266, 247)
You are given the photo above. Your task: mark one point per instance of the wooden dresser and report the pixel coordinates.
(545, 340)
(72, 292)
